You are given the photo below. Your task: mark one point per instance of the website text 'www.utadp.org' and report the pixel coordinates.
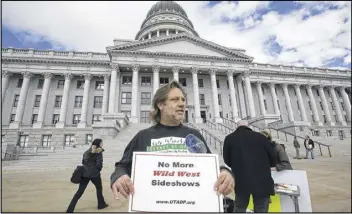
(176, 202)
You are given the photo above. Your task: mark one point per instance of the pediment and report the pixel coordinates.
(182, 44)
(182, 47)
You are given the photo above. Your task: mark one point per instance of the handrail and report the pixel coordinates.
(206, 133)
(231, 122)
(207, 122)
(286, 133)
(225, 128)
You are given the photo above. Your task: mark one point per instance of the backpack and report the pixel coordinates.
(77, 175)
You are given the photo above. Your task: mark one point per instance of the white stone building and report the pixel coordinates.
(53, 98)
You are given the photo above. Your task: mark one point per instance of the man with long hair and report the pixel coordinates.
(168, 114)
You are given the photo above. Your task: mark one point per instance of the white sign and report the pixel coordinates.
(295, 177)
(171, 182)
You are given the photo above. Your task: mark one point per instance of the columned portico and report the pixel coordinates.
(83, 122)
(156, 69)
(4, 83)
(313, 105)
(232, 95)
(43, 101)
(300, 102)
(106, 93)
(134, 99)
(22, 100)
(175, 71)
(325, 105)
(249, 94)
(217, 118)
(337, 106)
(63, 110)
(198, 119)
(346, 102)
(261, 99)
(274, 98)
(288, 103)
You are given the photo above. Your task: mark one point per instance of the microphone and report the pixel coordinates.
(194, 144)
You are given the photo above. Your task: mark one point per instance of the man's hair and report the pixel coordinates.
(242, 123)
(266, 134)
(160, 97)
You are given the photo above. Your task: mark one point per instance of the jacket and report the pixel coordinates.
(310, 142)
(250, 155)
(283, 162)
(92, 162)
(296, 144)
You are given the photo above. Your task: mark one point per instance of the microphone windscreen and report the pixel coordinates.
(194, 144)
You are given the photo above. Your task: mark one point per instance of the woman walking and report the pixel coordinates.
(92, 163)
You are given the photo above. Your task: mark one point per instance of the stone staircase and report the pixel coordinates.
(69, 159)
(338, 147)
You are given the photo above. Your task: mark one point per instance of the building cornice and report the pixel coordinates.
(183, 56)
(54, 61)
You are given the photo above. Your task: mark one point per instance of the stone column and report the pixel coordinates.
(106, 93)
(63, 109)
(176, 31)
(241, 97)
(43, 101)
(134, 99)
(198, 119)
(313, 104)
(325, 104)
(337, 106)
(176, 70)
(232, 95)
(149, 35)
(167, 32)
(156, 69)
(112, 96)
(288, 103)
(346, 102)
(157, 33)
(249, 94)
(274, 96)
(22, 100)
(83, 122)
(261, 99)
(4, 83)
(300, 102)
(214, 88)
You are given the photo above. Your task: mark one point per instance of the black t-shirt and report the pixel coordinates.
(158, 138)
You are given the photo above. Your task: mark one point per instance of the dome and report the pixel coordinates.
(166, 6)
(163, 19)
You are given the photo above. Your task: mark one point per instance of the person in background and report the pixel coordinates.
(309, 145)
(250, 155)
(92, 164)
(283, 162)
(297, 147)
(168, 114)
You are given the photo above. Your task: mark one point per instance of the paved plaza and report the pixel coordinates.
(329, 183)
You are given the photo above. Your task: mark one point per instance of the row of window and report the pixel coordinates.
(69, 139)
(126, 80)
(56, 118)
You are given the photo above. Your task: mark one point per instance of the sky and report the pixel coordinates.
(307, 33)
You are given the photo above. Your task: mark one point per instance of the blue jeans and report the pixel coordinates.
(311, 153)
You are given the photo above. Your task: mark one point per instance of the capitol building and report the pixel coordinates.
(63, 98)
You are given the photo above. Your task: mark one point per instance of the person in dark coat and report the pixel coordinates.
(309, 145)
(250, 155)
(283, 162)
(92, 163)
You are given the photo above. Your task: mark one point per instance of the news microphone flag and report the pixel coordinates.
(194, 144)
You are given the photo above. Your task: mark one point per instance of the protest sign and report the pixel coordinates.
(173, 182)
